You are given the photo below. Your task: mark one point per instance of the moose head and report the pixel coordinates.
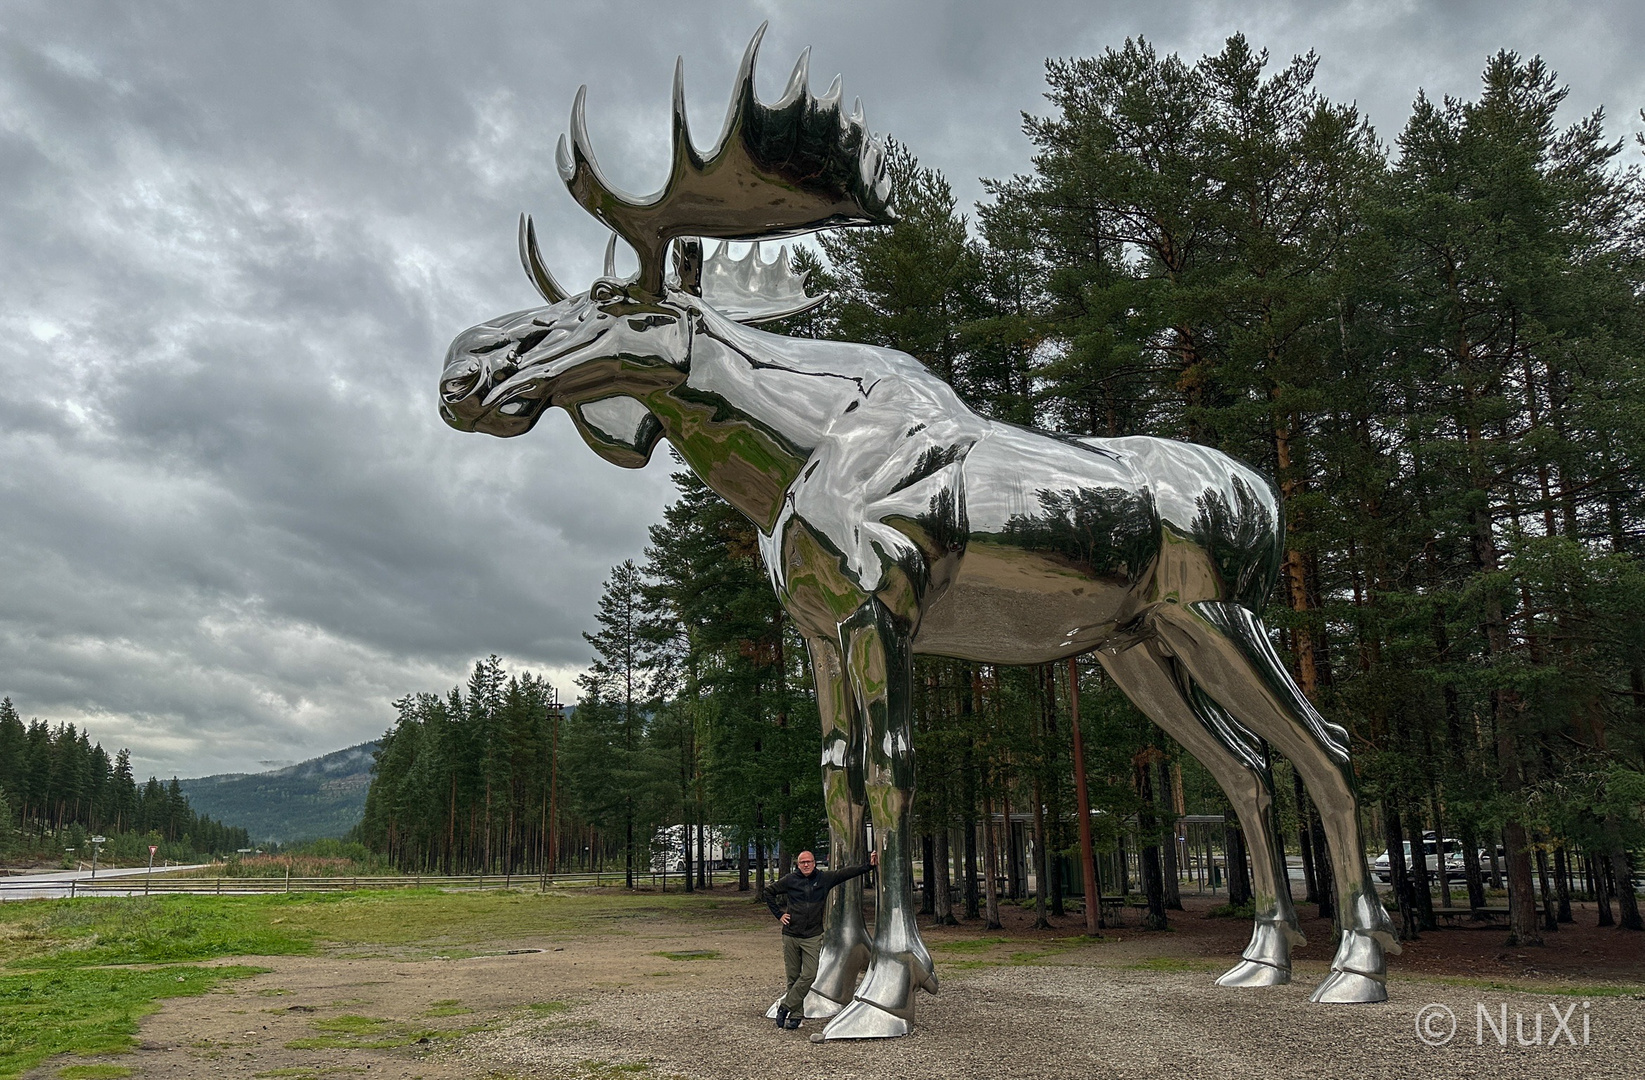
(777, 171)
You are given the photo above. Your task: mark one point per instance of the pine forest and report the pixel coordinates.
(58, 789)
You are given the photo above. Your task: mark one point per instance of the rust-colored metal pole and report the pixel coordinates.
(1088, 861)
(554, 714)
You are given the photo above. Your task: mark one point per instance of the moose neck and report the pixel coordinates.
(751, 409)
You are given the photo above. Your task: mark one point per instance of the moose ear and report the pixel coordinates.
(619, 429)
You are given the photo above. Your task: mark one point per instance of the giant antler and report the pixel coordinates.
(777, 170)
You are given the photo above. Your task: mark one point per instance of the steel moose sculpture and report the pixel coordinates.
(894, 521)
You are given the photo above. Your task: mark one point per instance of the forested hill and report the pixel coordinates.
(324, 796)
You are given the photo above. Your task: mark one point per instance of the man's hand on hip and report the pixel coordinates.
(785, 918)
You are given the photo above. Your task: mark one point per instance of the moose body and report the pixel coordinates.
(894, 520)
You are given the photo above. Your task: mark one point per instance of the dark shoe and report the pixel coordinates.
(794, 1022)
(782, 1017)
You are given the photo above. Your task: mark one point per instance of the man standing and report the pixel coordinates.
(803, 893)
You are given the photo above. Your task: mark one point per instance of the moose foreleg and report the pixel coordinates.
(845, 947)
(878, 665)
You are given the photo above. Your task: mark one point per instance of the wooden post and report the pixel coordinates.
(1088, 864)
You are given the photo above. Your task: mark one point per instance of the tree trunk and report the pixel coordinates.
(1441, 862)
(1470, 869)
(928, 896)
(1305, 839)
(1153, 879)
(1239, 872)
(973, 907)
(1013, 848)
(1550, 919)
(1088, 859)
(990, 863)
(1168, 839)
(1602, 894)
(1322, 867)
(628, 847)
(742, 867)
(1562, 883)
(1523, 928)
(1042, 861)
(685, 845)
(944, 896)
(1422, 899)
(1627, 901)
(1398, 872)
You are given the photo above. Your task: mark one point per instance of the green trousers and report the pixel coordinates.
(800, 964)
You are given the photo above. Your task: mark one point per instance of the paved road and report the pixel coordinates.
(63, 882)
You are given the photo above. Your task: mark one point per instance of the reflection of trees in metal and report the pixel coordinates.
(1229, 534)
(1101, 533)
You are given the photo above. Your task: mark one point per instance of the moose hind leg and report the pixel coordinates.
(1226, 650)
(878, 665)
(1159, 687)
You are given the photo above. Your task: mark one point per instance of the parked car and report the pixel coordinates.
(1384, 871)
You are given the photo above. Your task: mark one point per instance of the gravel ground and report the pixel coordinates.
(1073, 1020)
(676, 997)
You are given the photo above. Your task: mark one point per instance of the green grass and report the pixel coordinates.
(1170, 963)
(971, 945)
(69, 1010)
(351, 1025)
(1538, 988)
(142, 930)
(176, 929)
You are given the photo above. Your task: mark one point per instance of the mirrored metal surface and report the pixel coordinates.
(894, 521)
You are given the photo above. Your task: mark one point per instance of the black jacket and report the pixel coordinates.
(803, 898)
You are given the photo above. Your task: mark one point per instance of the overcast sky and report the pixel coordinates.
(235, 240)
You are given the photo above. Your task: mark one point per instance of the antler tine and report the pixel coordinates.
(685, 155)
(532, 260)
(611, 256)
(798, 81)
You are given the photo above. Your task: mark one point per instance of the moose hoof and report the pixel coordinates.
(863, 1020)
(818, 1007)
(1250, 973)
(1350, 988)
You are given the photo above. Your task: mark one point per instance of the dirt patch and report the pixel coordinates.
(683, 994)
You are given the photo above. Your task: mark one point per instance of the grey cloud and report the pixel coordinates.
(235, 241)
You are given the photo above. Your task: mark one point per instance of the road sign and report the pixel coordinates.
(152, 849)
(99, 840)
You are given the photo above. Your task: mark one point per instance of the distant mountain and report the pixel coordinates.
(324, 796)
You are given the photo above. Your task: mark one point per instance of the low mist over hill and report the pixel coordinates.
(324, 796)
